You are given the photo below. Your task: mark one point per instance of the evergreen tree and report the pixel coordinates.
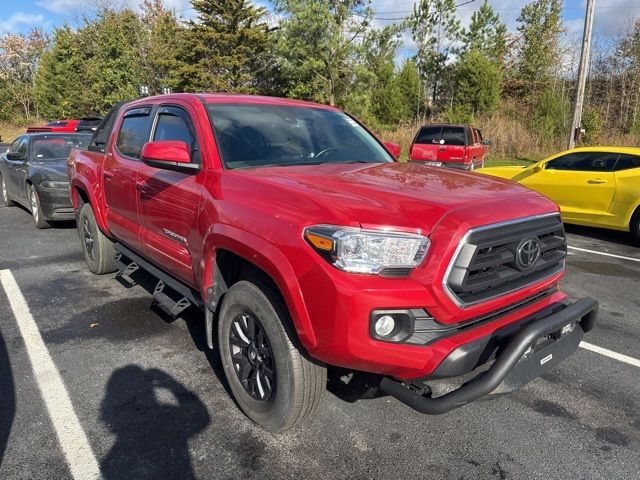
(478, 83)
(410, 90)
(320, 43)
(58, 89)
(159, 44)
(435, 29)
(486, 34)
(540, 26)
(225, 49)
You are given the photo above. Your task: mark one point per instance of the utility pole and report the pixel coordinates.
(576, 126)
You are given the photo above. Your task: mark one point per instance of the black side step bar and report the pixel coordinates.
(167, 280)
(516, 365)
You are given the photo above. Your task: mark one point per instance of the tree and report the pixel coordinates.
(435, 29)
(19, 56)
(540, 26)
(226, 48)
(57, 89)
(410, 90)
(486, 34)
(319, 43)
(478, 82)
(160, 40)
(379, 50)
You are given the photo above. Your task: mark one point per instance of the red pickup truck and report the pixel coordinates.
(301, 237)
(454, 146)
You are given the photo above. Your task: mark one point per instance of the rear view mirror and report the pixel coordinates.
(487, 142)
(14, 156)
(168, 154)
(394, 149)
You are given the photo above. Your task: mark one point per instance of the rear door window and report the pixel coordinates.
(134, 132)
(584, 162)
(429, 135)
(626, 162)
(454, 136)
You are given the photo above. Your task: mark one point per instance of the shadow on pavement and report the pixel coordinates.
(153, 417)
(612, 236)
(7, 397)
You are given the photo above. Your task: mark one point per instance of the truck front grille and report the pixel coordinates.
(497, 259)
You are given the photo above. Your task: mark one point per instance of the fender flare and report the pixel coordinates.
(270, 260)
(95, 200)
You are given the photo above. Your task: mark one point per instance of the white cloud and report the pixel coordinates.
(14, 22)
(61, 6)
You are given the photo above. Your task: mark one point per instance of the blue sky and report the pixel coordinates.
(611, 17)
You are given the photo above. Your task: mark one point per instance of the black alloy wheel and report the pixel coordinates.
(88, 238)
(252, 357)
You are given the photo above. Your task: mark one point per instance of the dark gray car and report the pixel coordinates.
(33, 173)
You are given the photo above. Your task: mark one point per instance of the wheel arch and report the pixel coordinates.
(240, 255)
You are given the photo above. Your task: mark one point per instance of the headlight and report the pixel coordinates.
(54, 185)
(368, 251)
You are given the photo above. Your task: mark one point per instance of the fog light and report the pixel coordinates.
(385, 325)
(567, 329)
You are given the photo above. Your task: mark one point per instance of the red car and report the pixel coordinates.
(454, 146)
(56, 126)
(307, 244)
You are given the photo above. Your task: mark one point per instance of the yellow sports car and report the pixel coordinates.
(594, 186)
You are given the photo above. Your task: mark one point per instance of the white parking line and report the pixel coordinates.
(75, 445)
(611, 354)
(603, 253)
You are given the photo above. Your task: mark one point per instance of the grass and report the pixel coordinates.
(9, 132)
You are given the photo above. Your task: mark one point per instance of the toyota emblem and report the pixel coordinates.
(528, 252)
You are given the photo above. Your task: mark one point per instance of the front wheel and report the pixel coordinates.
(36, 209)
(634, 226)
(98, 250)
(273, 383)
(7, 202)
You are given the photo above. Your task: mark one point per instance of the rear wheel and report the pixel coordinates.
(271, 380)
(36, 209)
(6, 201)
(98, 250)
(634, 226)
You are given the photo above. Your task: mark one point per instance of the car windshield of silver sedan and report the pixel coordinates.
(258, 135)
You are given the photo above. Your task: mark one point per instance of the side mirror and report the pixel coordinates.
(487, 142)
(168, 154)
(537, 168)
(14, 156)
(394, 149)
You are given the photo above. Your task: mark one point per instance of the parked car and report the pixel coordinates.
(58, 126)
(33, 173)
(88, 124)
(454, 146)
(298, 233)
(594, 186)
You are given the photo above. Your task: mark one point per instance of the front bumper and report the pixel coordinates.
(56, 204)
(521, 356)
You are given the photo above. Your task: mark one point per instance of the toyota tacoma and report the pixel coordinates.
(306, 244)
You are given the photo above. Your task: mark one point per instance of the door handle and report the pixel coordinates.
(107, 174)
(596, 180)
(442, 149)
(142, 186)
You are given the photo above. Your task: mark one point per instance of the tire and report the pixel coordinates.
(293, 391)
(98, 250)
(6, 201)
(36, 209)
(634, 226)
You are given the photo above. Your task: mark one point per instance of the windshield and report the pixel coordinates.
(252, 135)
(49, 148)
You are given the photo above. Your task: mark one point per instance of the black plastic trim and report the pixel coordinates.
(584, 312)
(187, 292)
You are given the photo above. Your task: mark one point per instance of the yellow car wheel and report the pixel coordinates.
(634, 226)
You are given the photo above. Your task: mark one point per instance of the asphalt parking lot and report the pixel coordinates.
(150, 401)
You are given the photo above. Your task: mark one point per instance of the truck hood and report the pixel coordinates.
(410, 196)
